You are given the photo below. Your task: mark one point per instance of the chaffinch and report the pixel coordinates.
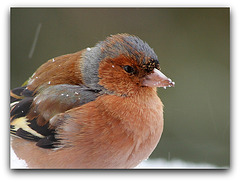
(96, 108)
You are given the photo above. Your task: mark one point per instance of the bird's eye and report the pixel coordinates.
(128, 69)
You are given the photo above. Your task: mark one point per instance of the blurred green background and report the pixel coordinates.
(192, 44)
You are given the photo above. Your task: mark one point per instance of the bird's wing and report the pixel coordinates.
(64, 69)
(35, 115)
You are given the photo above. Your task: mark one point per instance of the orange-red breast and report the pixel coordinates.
(96, 108)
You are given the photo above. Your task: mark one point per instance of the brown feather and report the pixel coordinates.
(60, 70)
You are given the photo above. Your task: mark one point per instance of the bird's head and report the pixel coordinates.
(123, 64)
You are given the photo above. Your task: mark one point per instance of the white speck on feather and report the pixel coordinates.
(113, 66)
(62, 94)
(88, 49)
(49, 82)
(67, 95)
(76, 93)
(53, 60)
(164, 87)
(31, 81)
(37, 100)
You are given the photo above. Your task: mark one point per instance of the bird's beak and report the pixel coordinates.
(157, 79)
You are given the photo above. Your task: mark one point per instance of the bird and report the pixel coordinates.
(97, 108)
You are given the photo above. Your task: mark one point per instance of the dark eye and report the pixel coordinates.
(128, 69)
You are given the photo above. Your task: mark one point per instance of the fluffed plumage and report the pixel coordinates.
(96, 108)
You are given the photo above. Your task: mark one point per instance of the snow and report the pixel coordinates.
(173, 164)
(15, 162)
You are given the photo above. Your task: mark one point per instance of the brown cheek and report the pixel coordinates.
(110, 75)
(114, 78)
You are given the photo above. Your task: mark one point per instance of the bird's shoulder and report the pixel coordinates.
(63, 69)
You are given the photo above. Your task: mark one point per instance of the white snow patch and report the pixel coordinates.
(174, 164)
(15, 162)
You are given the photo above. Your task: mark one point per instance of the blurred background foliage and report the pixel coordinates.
(193, 47)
